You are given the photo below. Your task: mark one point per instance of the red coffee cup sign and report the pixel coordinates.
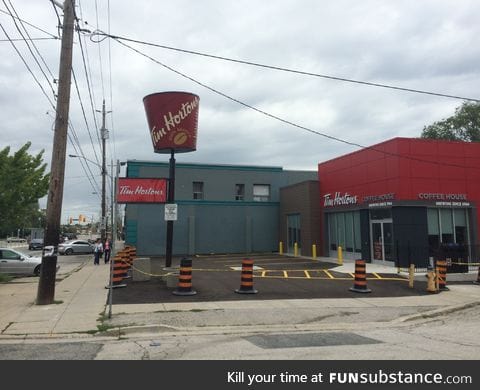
(173, 119)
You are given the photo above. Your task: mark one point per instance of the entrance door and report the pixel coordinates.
(293, 232)
(382, 240)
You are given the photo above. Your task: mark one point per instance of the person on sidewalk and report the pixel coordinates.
(107, 250)
(97, 252)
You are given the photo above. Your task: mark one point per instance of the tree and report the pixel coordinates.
(22, 183)
(463, 126)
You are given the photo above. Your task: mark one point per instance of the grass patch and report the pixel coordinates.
(5, 278)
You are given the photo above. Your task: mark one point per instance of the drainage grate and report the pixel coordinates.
(309, 340)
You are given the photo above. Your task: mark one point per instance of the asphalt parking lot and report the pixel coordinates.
(216, 277)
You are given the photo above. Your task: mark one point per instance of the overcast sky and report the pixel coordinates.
(430, 45)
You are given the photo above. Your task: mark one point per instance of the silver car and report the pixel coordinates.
(75, 246)
(17, 263)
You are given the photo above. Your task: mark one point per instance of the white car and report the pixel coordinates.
(17, 263)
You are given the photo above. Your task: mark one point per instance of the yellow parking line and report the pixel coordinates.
(285, 274)
(352, 274)
(329, 274)
(307, 274)
(376, 275)
(264, 273)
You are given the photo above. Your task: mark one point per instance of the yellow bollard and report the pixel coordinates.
(314, 251)
(280, 248)
(340, 255)
(411, 275)
(431, 283)
(295, 250)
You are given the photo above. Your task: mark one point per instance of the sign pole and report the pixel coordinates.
(170, 199)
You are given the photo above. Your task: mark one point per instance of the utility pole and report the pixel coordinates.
(46, 284)
(104, 135)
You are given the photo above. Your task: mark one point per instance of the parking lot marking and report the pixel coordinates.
(328, 274)
(307, 274)
(377, 275)
(285, 274)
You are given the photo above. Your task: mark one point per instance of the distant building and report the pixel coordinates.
(222, 208)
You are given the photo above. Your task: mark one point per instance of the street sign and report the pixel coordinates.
(171, 211)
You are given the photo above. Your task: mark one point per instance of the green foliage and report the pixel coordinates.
(463, 126)
(22, 183)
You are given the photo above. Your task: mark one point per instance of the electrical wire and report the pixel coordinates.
(290, 123)
(84, 116)
(282, 69)
(27, 66)
(32, 25)
(30, 49)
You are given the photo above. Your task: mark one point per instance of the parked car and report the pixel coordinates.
(15, 239)
(75, 246)
(69, 236)
(17, 263)
(35, 243)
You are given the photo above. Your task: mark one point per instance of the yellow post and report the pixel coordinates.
(295, 250)
(314, 251)
(411, 275)
(280, 248)
(431, 283)
(340, 255)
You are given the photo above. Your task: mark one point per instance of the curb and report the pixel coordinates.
(435, 313)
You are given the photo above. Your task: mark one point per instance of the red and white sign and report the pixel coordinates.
(173, 119)
(142, 190)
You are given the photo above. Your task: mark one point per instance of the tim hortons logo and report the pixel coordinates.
(339, 199)
(172, 120)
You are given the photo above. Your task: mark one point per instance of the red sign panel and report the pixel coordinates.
(142, 190)
(173, 119)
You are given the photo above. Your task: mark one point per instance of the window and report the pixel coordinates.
(261, 192)
(344, 231)
(239, 191)
(447, 226)
(198, 190)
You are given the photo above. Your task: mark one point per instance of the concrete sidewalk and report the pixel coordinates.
(81, 301)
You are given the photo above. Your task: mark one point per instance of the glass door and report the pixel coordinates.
(293, 232)
(382, 240)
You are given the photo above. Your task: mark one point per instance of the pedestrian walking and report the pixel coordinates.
(107, 250)
(97, 252)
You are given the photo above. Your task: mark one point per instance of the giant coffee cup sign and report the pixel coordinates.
(173, 119)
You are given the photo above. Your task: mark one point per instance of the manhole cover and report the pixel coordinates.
(309, 340)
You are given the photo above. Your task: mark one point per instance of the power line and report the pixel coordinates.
(29, 48)
(27, 66)
(285, 121)
(32, 25)
(278, 68)
(84, 115)
(30, 39)
(86, 68)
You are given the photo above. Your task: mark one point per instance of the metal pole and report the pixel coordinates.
(112, 216)
(46, 284)
(170, 199)
(104, 134)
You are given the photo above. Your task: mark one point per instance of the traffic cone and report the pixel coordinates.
(246, 283)
(360, 283)
(118, 273)
(184, 286)
(442, 275)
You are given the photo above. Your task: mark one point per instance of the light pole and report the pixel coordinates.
(103, 222)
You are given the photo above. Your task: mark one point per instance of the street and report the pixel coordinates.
(435, 338)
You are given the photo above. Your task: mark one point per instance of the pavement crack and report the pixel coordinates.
(146, 354)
